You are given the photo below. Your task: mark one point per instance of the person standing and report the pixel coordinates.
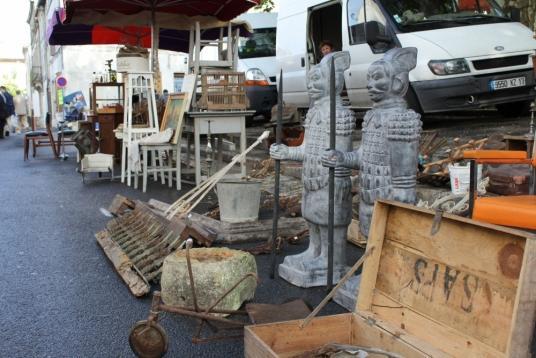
(21, 110)
(4, 113)
(9, 102)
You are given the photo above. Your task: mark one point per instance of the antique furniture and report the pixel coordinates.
(105, 96)
(97, 163)
(40, 138)
(217, 122)
(165, 161)
(140, 88)
(107, 101)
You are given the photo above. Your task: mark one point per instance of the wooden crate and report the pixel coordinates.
(223, 90)
(467, 291)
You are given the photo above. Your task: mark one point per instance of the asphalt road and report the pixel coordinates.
(60, 296)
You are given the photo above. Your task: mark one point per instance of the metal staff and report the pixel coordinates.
(277, 167)
(331, 185)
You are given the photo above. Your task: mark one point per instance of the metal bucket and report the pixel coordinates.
(239, 200)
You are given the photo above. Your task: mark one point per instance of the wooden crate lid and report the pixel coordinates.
(469, 289)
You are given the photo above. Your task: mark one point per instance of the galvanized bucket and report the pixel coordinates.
(239, 200)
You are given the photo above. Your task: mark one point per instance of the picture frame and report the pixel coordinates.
(173, 116)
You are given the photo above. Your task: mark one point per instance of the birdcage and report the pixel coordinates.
(223, 90)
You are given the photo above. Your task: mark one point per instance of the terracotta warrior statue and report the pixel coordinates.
(309, 268)
(387, 158)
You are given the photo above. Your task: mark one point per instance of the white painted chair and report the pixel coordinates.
(165, 161)
(142, 84)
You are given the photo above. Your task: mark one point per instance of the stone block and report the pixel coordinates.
(215, 270)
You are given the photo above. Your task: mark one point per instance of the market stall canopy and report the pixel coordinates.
(169, 14)
(59, 33)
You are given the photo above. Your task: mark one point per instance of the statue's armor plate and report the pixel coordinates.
(316, 177)
(375, 173)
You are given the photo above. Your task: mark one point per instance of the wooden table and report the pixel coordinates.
(216, 122)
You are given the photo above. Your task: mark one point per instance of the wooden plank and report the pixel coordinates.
(476, 249)
(370, 268)
(451, 295)
(523, 323)
(460, 219)
(417, 327)
(254, 347)
(260, 313)
(120, 204)
(373, 332)
(287, 338)
(122, 264)
(158, 205)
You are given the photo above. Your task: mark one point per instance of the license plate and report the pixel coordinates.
(506, 83)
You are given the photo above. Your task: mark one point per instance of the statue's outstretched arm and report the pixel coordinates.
(297, 153)
(352, 160)
(283, 152)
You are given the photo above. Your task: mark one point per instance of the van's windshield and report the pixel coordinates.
(435, 14)
(260, 44)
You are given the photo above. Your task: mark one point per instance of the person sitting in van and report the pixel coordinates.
(326, 49)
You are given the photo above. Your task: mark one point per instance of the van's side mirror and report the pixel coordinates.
(374, 35)
(515, 14)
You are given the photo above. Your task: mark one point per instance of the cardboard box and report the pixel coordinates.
(467, 291)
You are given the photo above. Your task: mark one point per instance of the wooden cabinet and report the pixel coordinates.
(107, 101)
(108, 144)
(106, 123)
(107, 95)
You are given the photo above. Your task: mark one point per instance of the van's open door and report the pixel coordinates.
(362, 16)
(325, 24)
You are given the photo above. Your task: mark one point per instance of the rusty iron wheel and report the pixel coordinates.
(148, 340)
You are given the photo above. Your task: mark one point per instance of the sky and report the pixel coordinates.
(14, 30)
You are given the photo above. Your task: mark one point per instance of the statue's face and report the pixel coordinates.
(379, 83)
(316, 84)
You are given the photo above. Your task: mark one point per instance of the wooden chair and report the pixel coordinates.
(517, 211)
(65, 136)
(40, 138)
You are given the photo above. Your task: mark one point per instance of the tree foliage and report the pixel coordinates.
(9, 81)
(265, 5)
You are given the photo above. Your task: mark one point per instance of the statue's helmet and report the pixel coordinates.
(397, 63)
(318, 78)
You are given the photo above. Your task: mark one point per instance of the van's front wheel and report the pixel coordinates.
(514, 109)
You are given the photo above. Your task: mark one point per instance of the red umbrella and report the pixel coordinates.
(171, 14)
(59, 33)
(222, 10)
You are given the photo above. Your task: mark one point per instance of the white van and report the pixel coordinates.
(256, 57)
(471, 54)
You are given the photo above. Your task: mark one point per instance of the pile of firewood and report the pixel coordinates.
(436, 171)
(263, 169)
